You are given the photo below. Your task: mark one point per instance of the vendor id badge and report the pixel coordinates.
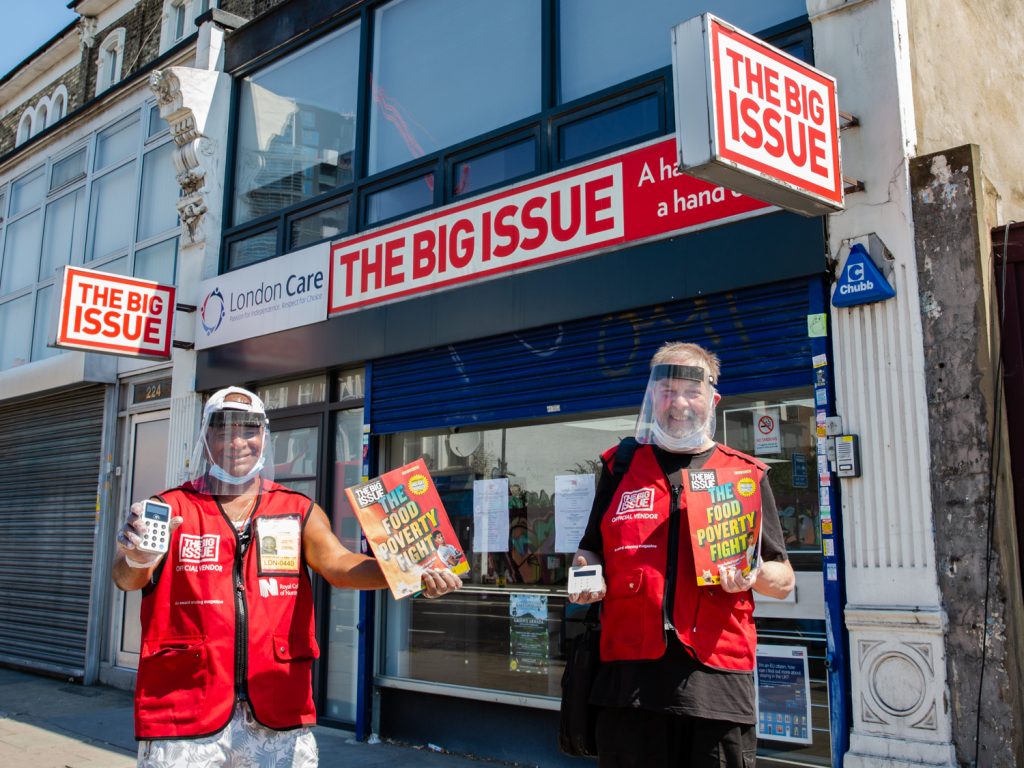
(278, 542)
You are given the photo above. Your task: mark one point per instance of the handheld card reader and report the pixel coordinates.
(585, 578)
(158, 517)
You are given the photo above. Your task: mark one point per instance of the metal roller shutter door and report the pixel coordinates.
(596, 364)
(50, 454)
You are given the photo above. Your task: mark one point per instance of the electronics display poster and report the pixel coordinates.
(783, 690)
(529, 639)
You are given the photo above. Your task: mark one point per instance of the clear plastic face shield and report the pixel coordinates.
(234, 445)
(678, 413)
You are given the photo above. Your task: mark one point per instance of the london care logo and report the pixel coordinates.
(211, 312)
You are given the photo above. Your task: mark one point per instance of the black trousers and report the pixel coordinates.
(639, 738)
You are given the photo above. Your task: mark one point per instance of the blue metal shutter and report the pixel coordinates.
(596, 364)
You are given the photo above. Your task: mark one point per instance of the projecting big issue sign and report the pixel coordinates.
(755, 119)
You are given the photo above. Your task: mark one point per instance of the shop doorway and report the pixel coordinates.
(145, 466)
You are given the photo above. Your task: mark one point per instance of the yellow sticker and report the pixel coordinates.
(418, 485)
(746, 487)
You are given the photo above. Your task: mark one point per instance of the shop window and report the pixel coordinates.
(21, 253)
(67, 170)
(400, 199)
(108, 64)
(288, 394)
(41, 326)
(27, 192)
(63, 232)
(15, 343)
(158, 210)
(158, 262)
(319, 225)
(495, 167)
(443, 72)
(597, 49)
(155, 124)
(118, 142)
(249, 250)
(111, 227)
(616, 126)
(296, 126)
(349, 385)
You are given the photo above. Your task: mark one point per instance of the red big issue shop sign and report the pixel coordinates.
(629, 197)
(756, 119)
(100, 312)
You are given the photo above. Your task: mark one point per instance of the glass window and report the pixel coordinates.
(157, 207)
(21, 253)
(612, 128)
(111, 224)
(26, 192)
(349, 385)
(156, 123)
(158, 262)
(287, 394)
(295, 458)
(492, 168)
(41, 328)
(327, 222)
(446, 70)
(15, 341)
(63, 233)
(296, 126)
(259, 247)
(115, 267)
(67, 170)
(118, 142)
(501, 650)
(343, 632)
(406, 197)
(599, 49)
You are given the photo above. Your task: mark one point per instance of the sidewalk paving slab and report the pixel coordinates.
(52, 723)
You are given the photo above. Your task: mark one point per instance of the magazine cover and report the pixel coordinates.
(403, 519)
(724, 512)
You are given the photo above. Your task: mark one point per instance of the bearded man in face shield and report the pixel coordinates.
(228, 634)
(676, 686)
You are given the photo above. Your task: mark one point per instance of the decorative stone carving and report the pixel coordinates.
(191, 174)
(86, 32)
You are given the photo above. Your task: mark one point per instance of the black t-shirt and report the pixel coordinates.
(677, 682)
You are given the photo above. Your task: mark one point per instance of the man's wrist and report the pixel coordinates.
(142, 563)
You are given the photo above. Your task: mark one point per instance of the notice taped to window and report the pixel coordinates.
(402, 517)
(783, 694)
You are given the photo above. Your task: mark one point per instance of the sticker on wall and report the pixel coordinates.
(824, 497)
(828, 546)
(831, 572)
(826, 527)
(820, 377)
(825, 513)
(820, 397)
(816, 325)
(819, 360)
(822, 445)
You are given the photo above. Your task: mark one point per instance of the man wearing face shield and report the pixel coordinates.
(676, 684)
(228, 633)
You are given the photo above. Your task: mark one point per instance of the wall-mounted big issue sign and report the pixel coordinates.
(755, 119)
(100, 312)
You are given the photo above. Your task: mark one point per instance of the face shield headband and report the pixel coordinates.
(678, 412)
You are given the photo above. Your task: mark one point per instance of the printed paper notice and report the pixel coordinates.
(490, 515)
(574, 496)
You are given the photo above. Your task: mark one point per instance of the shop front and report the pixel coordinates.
(508, 413)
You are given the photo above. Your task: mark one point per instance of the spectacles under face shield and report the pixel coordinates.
(678, 412)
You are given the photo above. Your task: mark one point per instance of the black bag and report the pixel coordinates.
(577, 730)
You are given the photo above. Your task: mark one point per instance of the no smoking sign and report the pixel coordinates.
(767, 437)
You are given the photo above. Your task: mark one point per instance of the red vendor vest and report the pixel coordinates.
(717, 626)
(223, 620)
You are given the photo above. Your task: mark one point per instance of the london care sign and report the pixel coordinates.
(755, 119)
(101, 312)
(629, 197)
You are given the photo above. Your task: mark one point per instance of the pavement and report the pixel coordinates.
(50, 723)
